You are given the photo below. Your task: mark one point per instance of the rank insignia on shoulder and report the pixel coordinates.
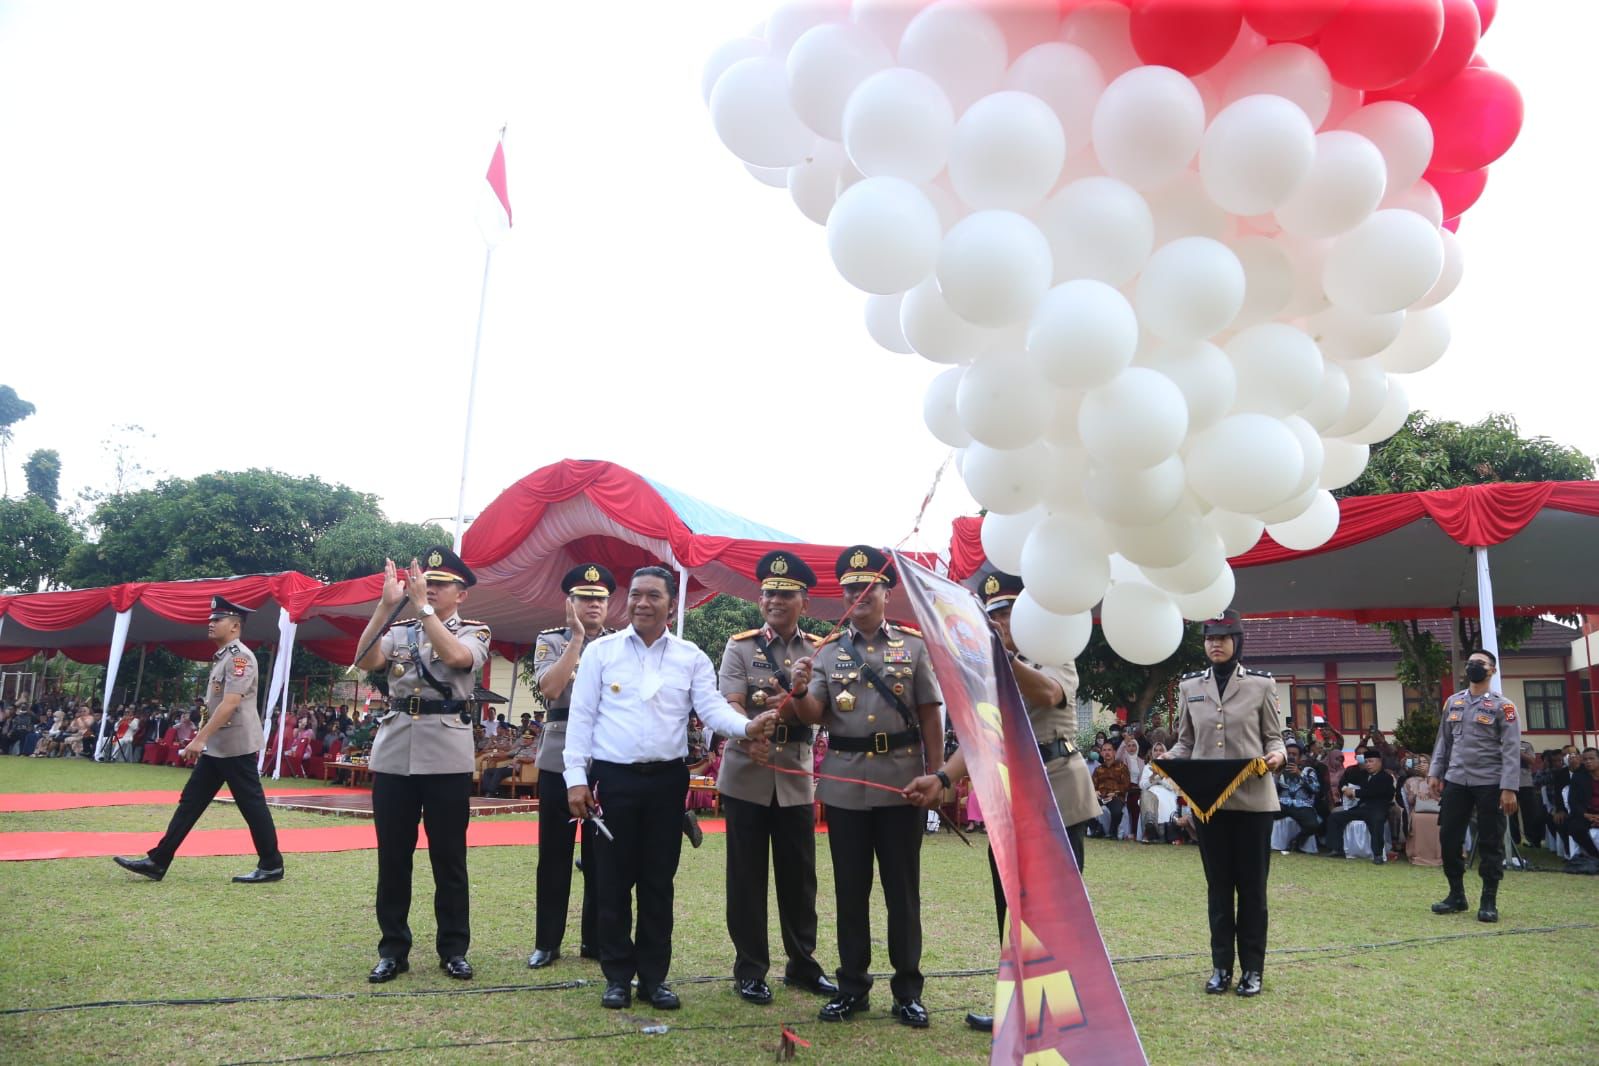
(814, 639)
(1193, 674)
(910, 631)
(1458, 703)
(1257, 673)
(555, 629)
(830, 637)
(746, 635)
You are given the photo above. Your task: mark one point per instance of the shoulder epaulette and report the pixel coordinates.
(912, 630)
(556, 629)
(1192, 674)
(472, 622)
(831, 637)
(814, 639)
(746, 635)
(1257, 673)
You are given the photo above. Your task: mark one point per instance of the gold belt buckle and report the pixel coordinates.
(781, 734)
(880, 743)
(414, 706)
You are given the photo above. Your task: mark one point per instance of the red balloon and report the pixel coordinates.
(1462, 27)
(1452, 224)
(1475, 118)
(1373, 44)
(1277, 21)
(1486, 9)
(1457, 191)
(1185, 35)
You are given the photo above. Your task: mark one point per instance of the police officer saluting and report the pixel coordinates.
(873, 687)
(767, 811)
(588, 588)
(225, 747)
(1228, 712)
(422, 755)
(1476, 765)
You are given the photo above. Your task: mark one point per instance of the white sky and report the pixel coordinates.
(248, 228)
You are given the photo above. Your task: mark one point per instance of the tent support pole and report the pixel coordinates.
(1485, 610)
(682, 595)
(1455, 668)
(138, 681)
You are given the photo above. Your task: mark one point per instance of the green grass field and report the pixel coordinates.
(1355, 973)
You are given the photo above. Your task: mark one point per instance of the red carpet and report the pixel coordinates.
(11, 802)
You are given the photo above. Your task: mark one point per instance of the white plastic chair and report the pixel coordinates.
(1283, 832)
(1357, 841)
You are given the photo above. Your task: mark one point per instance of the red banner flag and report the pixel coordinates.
(1056, 998)
(496, 176)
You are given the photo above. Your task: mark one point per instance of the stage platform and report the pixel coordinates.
(348, 804)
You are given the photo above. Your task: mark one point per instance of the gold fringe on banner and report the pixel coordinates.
(1255, 767)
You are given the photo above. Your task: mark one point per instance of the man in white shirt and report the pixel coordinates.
(626, 739)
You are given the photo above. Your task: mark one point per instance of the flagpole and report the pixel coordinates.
(471, 399)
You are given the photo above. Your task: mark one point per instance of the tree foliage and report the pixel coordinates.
(358, 545)
(43, 471)
(35, 543)
(1147, 692)
(1429, 453)
(13, 409)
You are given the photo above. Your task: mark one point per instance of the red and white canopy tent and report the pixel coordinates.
(1417, 555)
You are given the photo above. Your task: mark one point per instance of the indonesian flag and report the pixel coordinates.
(494, 211)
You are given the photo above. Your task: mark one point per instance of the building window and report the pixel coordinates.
(1414, 701)
(1357, 703)
(1546, 704)
(1308, 700)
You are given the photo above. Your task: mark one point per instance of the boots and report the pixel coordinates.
(1488, 908)
(1455, 902)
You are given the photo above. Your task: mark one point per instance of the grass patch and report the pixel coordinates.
(85, 931)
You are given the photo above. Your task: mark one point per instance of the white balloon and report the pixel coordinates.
(1083, 333)
(882, 322)
(1204, 374)
(933, 330)
(1268, 279)
(1165, 542)
(1344, 463)
(1238, 532)
(1278, 368)
(1350, 335)
(1384, 264)
(1368, 391)
(1136, 420)
(959, 46)
(1141, 623)
(1291, 71)
(1007, 152)
(1292, 508)
(1003, 402)
(1421, 198)
(886, 19)
(883, 235)
(752, 115)
(726, 54)
(813, 182)
(1309, 260)
(1005, 482)
(1065, 482)
(1195, 573)
(1098, 228)
(1401, 133)
(1422, 341)
(1389, 420)
(1190, 288)
(1148, 125)
(994, 267)
(1346, 182)
(1182, 208)
(1212, 601)
(1003, 536)
(1345, 102)
(939, 412)
(1245, 463)
(1135, 497)
(1332, 398)
(1045, 637)
(1255, 154)
(1062, 428)
(825, 66)
(776, 177)
(1311, 447)
(1066, 564)
(1103, 30)
(1067, 79)
(792, 20)
(898, 123)
(1454, 267)
(1313, 528)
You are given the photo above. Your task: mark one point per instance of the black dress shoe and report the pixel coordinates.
(141, 866)
(661, 998)
(1453, 903)
(259, 876)
(843, 1007)
(1339, 854)
(821, 985)
(983, 1023)
(541, 958)
(1220, 981)
(1488, 912)
(692, 830)
(617, 995)
(457, 967)
(1249, 984)
(755, 992)
(387, 969)
(909, 1012)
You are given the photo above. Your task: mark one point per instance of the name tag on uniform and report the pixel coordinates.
(1485, 719)
(1196, 699)
(896, 655)
(1454, 716)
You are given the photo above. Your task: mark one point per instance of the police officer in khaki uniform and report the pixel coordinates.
(225, 751)
(422, 755)
(1476, 765)
(871, 684)
(1228, 712)
(588, 588)
(770, 812)
(1050, 695)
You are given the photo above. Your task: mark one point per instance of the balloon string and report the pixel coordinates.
(898, 791)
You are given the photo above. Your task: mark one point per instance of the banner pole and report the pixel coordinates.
(471, 399)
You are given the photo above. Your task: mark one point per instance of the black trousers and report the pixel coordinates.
(1454, 814)
(557, 836)
(1529, 813)
(441, 802)
(1305, 818)
(893, 837)
(642, 804)
(1376, 819)
(1577, 828)
(1074, 837)
(208, 776)
(788, 835)
(1235, 847)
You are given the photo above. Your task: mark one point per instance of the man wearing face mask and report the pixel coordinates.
(1476, 765)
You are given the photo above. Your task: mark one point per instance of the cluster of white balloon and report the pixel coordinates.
(1172, 307)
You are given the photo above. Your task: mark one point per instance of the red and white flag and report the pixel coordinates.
(494, 209)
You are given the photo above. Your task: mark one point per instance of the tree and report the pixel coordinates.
(13, 409)
(358, 545)
(35, 543)
(1429, 453)
(1145, 691)
(43, 471)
